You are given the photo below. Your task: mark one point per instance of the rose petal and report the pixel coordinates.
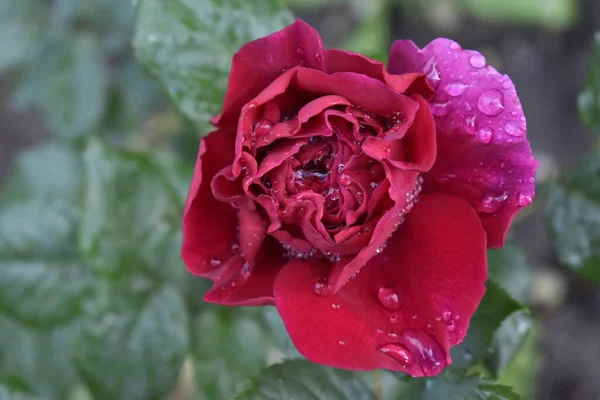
(247, 285)
(483, 153)
(259, 62)
(361, 90)
(346, 61)
(436, 265)
(209, 225)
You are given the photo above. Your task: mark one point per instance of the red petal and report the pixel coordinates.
(259, 62)
(483, 153)
(435, 265)
(244, 285)
(209, 225)
(346, 61)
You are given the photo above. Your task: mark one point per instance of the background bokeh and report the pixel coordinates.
(62, 56)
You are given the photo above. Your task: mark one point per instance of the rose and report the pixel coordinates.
(325, 164)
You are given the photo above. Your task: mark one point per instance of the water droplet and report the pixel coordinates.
(524, 200)
(251, 105)
(414, 317)
(425, 351)
(299, 51)
(485, 134)
(491, 204)
(317, 56)
(513, 129)
(341, 168)
(389, 299)
(455, 88)
(470, 122)
(245, 270)
(451, 326)
(373, 185)
(235, 247)
(394, 319)
(491, 103)
(215, 262)
(344, 179)
(440, 109)
(447, 315)
(477, 61)
(335, 306)
(393, 335)
(321, 287)
(432, 72)
(341, 343)
(397, 352)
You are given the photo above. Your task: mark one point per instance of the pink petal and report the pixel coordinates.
(483, 153)
(406, 308)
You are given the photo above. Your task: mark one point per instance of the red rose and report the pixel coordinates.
(324, 164)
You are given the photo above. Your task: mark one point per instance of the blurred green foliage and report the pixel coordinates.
(95, 302)
(589, 98)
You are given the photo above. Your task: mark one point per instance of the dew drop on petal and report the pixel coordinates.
(299, 51)
(389, 299)
(341, 343)
(335, 306)
(455, 88)
(485, 134)
(440, 109)
(215, 262)
(447, 315)
(491, 103)
(426, 351)
(513, 129)
(321, 287)
(477, 61)
(451, 326)
(492, 203)
(524, 200)
(397, 352)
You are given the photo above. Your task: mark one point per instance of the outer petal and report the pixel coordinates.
(411, 303)
(209, 225)
(346, 61)
(247, 285)
(259, 62)
(483, 153)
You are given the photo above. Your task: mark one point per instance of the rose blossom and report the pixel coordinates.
(324, 164)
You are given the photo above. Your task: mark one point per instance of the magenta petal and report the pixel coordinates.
(483, 154)
(259, 62)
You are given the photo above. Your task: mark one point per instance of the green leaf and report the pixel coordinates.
(508, 340)
(38, 359)
(573, 213)
(280, 335)
(67, 82)
(6, 394)
(495, 307)
(455, 387)
(189, 44)
(50, 169)
(589, 98)
(21, 30)
(135, 353)
(42, 281)
(230, 346)
(302, 380)
(131, 214)
(508, 268)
